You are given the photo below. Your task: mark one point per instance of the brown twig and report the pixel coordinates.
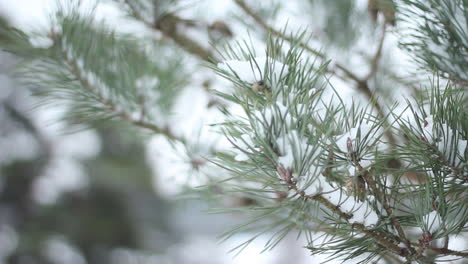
(446, 251)
(286, 176)
(412, 84)
(181, 39)
(167, 25)
(380, 196)
(378, 54)
(447, 240)
(378, 236)
(443, 251)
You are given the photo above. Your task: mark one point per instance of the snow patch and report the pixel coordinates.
(291, 146)
(432, 221)
(449, 141)
(352, 134)
(362, 211)
(41, 42)
(243, 143)
(255, 69)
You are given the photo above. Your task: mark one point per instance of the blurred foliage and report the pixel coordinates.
(439, 39)
(341, 26)
(112, 212)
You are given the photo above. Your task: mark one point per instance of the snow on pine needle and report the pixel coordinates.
(255, 69)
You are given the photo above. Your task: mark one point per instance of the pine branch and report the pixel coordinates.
(438, 40)
(275, 32)
(442, 251)
(383, 200)
(292, 185)
(167, 24)
(112, 107)
(283, 126)
(378, 236)
(444, 161)
(361, 84)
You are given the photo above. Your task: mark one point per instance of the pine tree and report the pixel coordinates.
(380, 177)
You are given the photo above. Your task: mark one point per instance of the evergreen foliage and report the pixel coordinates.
(439, 36)
(360, 181)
